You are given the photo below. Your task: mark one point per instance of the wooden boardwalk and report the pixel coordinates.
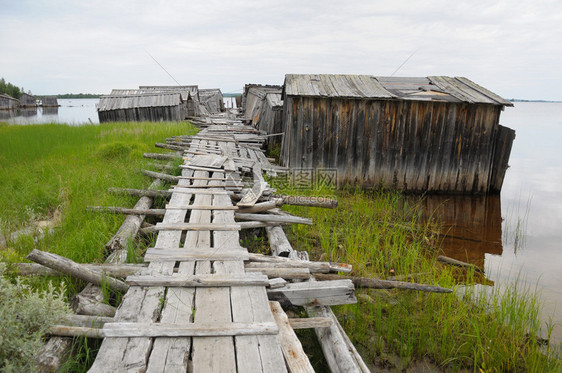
(195, 308)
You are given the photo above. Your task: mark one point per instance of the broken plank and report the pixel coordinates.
(295, 357)
(315, 293)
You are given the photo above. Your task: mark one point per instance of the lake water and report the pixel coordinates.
(71, 111)
(516, 236)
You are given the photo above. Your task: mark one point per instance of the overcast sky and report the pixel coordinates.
(512, 47)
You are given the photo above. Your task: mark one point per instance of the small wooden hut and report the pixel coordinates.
(49, 101)
(7, 102)
(264, 110)
(190, 95)
(153, 107)
(434, 134)
(212, 100)
(27, 101)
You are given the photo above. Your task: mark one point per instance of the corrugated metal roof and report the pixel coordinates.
(433, 88)
(115, 102)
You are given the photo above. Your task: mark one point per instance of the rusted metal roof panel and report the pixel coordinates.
(116, 102)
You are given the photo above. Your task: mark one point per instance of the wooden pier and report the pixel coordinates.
(201, 302)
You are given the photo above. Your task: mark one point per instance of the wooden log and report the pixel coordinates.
(196, 329)
(256, 224)
(53, 354)
(284, 273)
(126, 211)
(315, 293)
(161, 176)
(259, 207)
(339, 352)
(166, 167)
(86, 321)
(280, 246)
(90, 302)
(458, 263)
(295, 357)
(142, 192)
(309, 201)
(76, 331)
(76, 270)
(374, 283)
(115, 270)
(163, 156)
(171, 147)
(270, 218)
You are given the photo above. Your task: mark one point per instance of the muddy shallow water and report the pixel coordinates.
(517, 236)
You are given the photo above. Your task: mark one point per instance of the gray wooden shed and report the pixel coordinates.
(428, 134)
(153, 107)
(190, 95)
(212, 100)
(27, 101)
(49, 101)
(7, 102)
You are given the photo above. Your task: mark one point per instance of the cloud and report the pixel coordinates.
(60, 46)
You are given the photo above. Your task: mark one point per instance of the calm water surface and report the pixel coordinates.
(518, 235)
(71, 111)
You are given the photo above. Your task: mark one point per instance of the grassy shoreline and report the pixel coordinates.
(52, 172)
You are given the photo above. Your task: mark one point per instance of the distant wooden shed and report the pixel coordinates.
(429, 134)
(212, 100)
(7, 102)
(49, 101)
(27, 101)
(190, 95)
(264, 110)
(153, 107)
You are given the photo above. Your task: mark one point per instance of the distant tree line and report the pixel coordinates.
(10, 89)
(78, 95)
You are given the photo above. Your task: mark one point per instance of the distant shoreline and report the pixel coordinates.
(523, 100)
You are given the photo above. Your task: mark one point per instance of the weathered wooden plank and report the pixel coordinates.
(311, 322)
(252, 195)
(315, 293)
(274, 218)
(295, 357)
(285, 273)
(195, 329)
(142, 192)
(177, 280)
(196, 227)
(194, 254)
(195, 190)
(202, 207)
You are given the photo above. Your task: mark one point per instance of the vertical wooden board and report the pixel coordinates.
(172, 354)
(212, 354)
(308, 133)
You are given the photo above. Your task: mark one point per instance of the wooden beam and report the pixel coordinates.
(142, 192)
(315, 293)
(198, 329)
(248, 279)
(162, 156)
(295, 357)
(126, 211)
(194, 254)
(270, 218)
(76, 270)
(375, 283)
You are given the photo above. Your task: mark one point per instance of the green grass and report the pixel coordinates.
(381, 233)
(55, 171)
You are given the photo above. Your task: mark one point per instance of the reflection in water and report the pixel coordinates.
(471, 225)
(50, 110)
(28, 112)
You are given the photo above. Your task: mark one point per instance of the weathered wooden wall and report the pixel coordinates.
(416, 146)
(8, 102)
(270, 118)
(27, 100)
(151, 114)
(49, 101)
